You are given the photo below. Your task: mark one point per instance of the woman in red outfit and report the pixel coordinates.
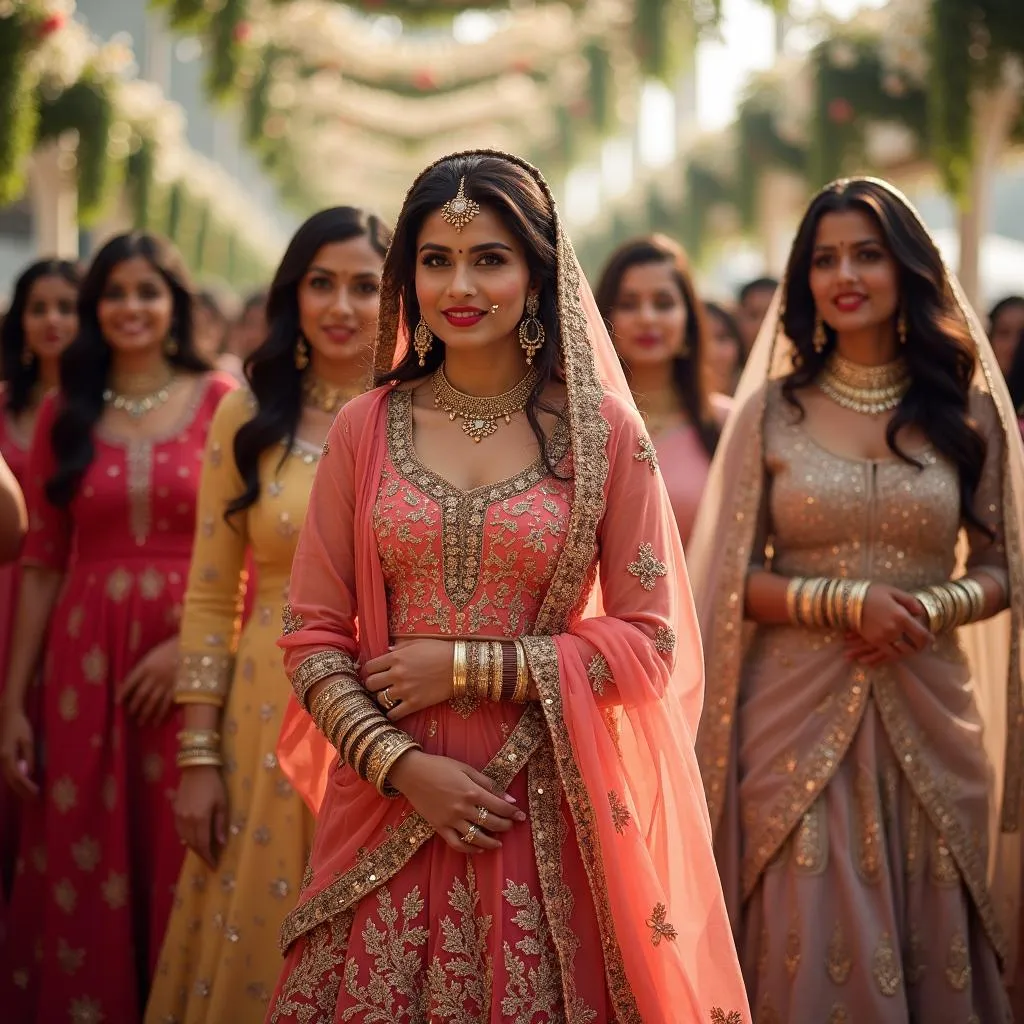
(111, 492)
(40, 324)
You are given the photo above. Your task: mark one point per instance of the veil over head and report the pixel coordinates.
(625, 767)
(723, 541)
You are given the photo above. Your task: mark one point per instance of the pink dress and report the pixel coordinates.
(99, 855)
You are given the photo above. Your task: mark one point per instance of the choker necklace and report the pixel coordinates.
(136, 402)
(318, 394)
(871, 390)
(480, 415)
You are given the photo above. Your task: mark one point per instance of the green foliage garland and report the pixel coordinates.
(85, 107)
(760, 148)
(139, 179)
(704, 189)
(228, 30)
(19, 112)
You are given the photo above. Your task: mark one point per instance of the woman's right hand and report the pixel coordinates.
(449, 795)
(17, 751)
(200, 811)
(891, 626)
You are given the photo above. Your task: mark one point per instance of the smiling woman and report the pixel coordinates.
(111, 494)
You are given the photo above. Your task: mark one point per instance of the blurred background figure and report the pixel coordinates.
(657, 323)
(1005, 326)
(211, 326)
(725, 353)
(753, 300)
(245, 334)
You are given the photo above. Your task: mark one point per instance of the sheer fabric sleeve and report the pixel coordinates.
(48, 544)
(213, 600)
(987, 552)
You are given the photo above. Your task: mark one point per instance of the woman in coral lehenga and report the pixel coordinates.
(861, 739)
(528, 841)
(111, 493)
(248, 831)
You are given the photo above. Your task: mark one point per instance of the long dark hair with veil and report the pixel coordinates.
(86, 362)
(525, 208)
(275, 380)
(939, 352)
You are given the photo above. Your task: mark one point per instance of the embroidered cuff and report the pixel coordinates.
(319, 666)
(204, 678)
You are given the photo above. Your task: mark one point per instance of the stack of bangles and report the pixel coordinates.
(489, 670)
(952, 604)
(826, 603)
(198, 748)
(347, 714)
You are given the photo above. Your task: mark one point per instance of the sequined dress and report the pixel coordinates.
(860, 837)
(99, 855)
(220, 959)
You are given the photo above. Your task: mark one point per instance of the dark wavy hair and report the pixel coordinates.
(85, 364)
(21, 379)
(526, 209)
(273, 376)
(688, 375)
(939, 352)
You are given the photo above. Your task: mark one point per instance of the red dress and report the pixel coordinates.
(99, 857)
(14, 449)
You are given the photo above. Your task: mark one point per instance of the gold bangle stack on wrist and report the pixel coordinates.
(826, 603)
(488, 670)
(347, 714)
(199, 748)
(952, 604)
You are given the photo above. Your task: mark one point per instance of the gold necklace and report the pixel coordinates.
(870, 390)
(133, 402)
(480, 415)
(326, 397)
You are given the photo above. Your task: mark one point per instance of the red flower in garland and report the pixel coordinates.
(840, 111)
(424, 80)
(50, 24)
(241, 32)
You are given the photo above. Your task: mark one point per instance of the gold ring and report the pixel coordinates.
(470, 837)
(386, 700)
(481, 816)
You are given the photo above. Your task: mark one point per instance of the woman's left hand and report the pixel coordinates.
(864, 653)
(148, 690)
(413, 675)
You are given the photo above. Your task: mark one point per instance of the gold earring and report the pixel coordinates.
(170, 345)
(820, 339)
(901, 327)
(531, 330)
(422, 341)
(301, 353)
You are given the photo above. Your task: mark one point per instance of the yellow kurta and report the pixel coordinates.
(220, 957)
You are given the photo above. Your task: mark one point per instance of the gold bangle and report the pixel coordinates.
(858, 598)
(365, 744)
(497, 671)
(198, 759)
(362, 724)
(814, 619)
(932, 611)
(947, 606)
(384, 755)
(459, 680)
(976, 593)
(193, 737)
(807, 603)
(793, 588)
(480, 660)
(522, 675)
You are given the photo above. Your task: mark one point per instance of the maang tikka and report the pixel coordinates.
(461, 210)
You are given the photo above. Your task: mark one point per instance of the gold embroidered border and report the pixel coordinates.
(542, 657)
(724, 649)
(463, 513)
(545, 800)
(912, 754)
(383, 863)
(805, 784)
(319, 666)
(203, 678)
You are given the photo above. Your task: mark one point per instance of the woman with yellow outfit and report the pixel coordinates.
(247, 829)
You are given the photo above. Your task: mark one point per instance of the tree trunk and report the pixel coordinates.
(995, 113)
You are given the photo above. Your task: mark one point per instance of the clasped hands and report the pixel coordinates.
(892, 627)
(463, 806)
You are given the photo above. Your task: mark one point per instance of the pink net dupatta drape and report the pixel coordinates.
(616, 658)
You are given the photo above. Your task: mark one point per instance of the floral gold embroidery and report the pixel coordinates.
(647, 568)
(290, 621)
(839, 1015)
(68, 704)
(115, 890)
(203, 678)
(326, 450)
(70, 959)
(312, 986)
(65, 896)
(809, 843)
(598, 673)
(720, 1016)
(319, 666)
(94, 664)
(86, 853)
(620, 812)
(665, 640)
(885, 967)
(85, 1011)
(792, 957)
(647, 453)
(537, 989)
(838, 960)
(660, 928)
(958, 964)
(944, 872)
(869, 829)
(65, 794)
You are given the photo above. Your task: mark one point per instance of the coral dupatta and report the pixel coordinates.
(615, 655)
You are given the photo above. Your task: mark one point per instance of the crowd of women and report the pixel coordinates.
(360, 631)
